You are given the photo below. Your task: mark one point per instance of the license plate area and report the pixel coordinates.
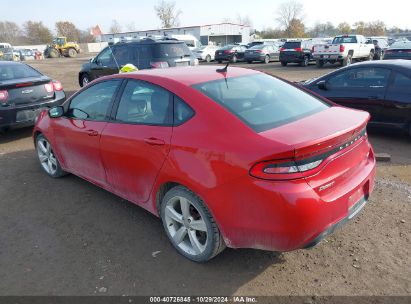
(28, 115)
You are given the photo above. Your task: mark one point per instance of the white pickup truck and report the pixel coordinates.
(344, 49)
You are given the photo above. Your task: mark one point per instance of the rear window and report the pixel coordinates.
(258, 47)
(345, 39)
(401, 45)
(17, 71)
(162, 50)
(227, 47)
(262, 101)
(292, 45)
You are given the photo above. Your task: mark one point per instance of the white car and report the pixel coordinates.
(205, 53)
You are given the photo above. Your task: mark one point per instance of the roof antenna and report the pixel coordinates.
(224, 69)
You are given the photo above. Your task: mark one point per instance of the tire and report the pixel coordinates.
(208, 58)
(198, 245)
(305, 62)
(347, 60)
(219, 61)
(370, 56)
(72, 53)
(234, 59)
(283, 63)
(266, 59)
(84, 80)
(47, 159)
(53, 53)
(319, 63)
(249, 61)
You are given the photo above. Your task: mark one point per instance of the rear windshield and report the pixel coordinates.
(292, 45)
(258, 47)
(227, 47)
(162, 50)
(401, 45)
(17, 71)
(345, 39)
(262, 101)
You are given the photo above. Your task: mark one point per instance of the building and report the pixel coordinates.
(218, 34)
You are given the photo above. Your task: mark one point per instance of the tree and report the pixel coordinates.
(360, 27)
(344, 28)
(115, 27)
(375, 28)
(245, 20)
(289, 12)
(271, 33)
(86, 36)
(323, 30)
(68, 29)
(296, 29)
(131, 27)
(167, 13)
(36, 33)
(10, 32)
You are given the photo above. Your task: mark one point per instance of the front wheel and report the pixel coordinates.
(305, 61)
(84, 80)
(319, 63)
(347, 60)
(208, 58)
(190, 226)
(47, 158)
(266, 59)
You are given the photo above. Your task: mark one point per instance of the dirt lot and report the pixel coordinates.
(68, 237)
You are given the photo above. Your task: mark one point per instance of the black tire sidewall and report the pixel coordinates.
(199, 205)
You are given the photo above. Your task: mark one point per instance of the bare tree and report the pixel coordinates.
(245, 20)
(36, 33)
(168, 13)
(375, 28)
(68, 29)
(344, 28)
(288, 12)
(10, 32)
(115, 27)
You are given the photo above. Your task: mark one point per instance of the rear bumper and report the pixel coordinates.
(291, 58)
(22, 116)
(328, 57)
(259, 57)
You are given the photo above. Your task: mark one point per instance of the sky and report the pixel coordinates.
(87, 13)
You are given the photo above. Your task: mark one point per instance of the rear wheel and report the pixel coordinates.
(208, 58)
(266, 59)
(72, 53)
(84, 80)
(190, 226)
(234, 59)
(347, 60)
(219, 61)
(319, 63)
(283, 63)
(305, 62)
(47, 158)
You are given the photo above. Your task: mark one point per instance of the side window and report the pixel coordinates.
(182, 111)
(123, 55)
(143, 51)
(360, 78)
(105, 57)
(401, 82)
(93, 103)
(144, 103)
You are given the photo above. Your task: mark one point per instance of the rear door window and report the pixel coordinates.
(292, 45)
(262, 101)
(17, 71)
(166, 50)
(360, 78)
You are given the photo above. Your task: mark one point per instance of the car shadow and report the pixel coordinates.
(68, 237)
(15, 134)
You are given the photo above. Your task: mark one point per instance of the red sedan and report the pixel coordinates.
(231, 158)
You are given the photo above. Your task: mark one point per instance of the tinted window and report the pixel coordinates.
(162, 50)
(16, 71)
(123, 54)
(360, 78)
(227, 47)
(401, 81)
(401, 45)
(93, 103)
(182, 112)
(106, 57)
(261, 101)
(345, 39)
(292, 45)
(143, 103)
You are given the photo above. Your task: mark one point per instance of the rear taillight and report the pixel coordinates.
(388, 52)
(57, 85)
(342, 48)
(284, 169)
(298, 49)
(260, 51)
(228, 51)
(4, 95)
(159, 64)
(49, 87)
(312, 50)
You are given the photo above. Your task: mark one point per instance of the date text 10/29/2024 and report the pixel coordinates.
(234, 299)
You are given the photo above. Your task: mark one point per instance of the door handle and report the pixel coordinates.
(92, 133)
(154, 141)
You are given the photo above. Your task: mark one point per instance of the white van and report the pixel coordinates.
(5, 45)
(191, 41)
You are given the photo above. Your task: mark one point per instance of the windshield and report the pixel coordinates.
(261, 101)
(17, 71)
(345, 39)
(162, 50)
(292, 45)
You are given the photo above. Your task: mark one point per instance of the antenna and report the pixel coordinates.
(224, 69)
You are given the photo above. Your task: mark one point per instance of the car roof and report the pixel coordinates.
(149, 41)
(190, 75)
(393, 63)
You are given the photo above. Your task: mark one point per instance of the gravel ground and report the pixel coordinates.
(69, 237)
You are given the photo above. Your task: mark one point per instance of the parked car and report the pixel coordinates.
(382, 88)
(144, 54)
(262, 53)
(233, 157)
(206, 53)
(344, 49)
(380, 46)
(399, 50)
(232, 53)
(24, 93)
(296, 52)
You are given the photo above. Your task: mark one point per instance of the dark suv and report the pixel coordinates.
(144, 54)
(296, 52)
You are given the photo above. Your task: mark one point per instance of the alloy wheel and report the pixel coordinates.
(46, 156)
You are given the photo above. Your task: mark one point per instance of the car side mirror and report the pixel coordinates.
(92, 59)
(56, 112)
(322, 85)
